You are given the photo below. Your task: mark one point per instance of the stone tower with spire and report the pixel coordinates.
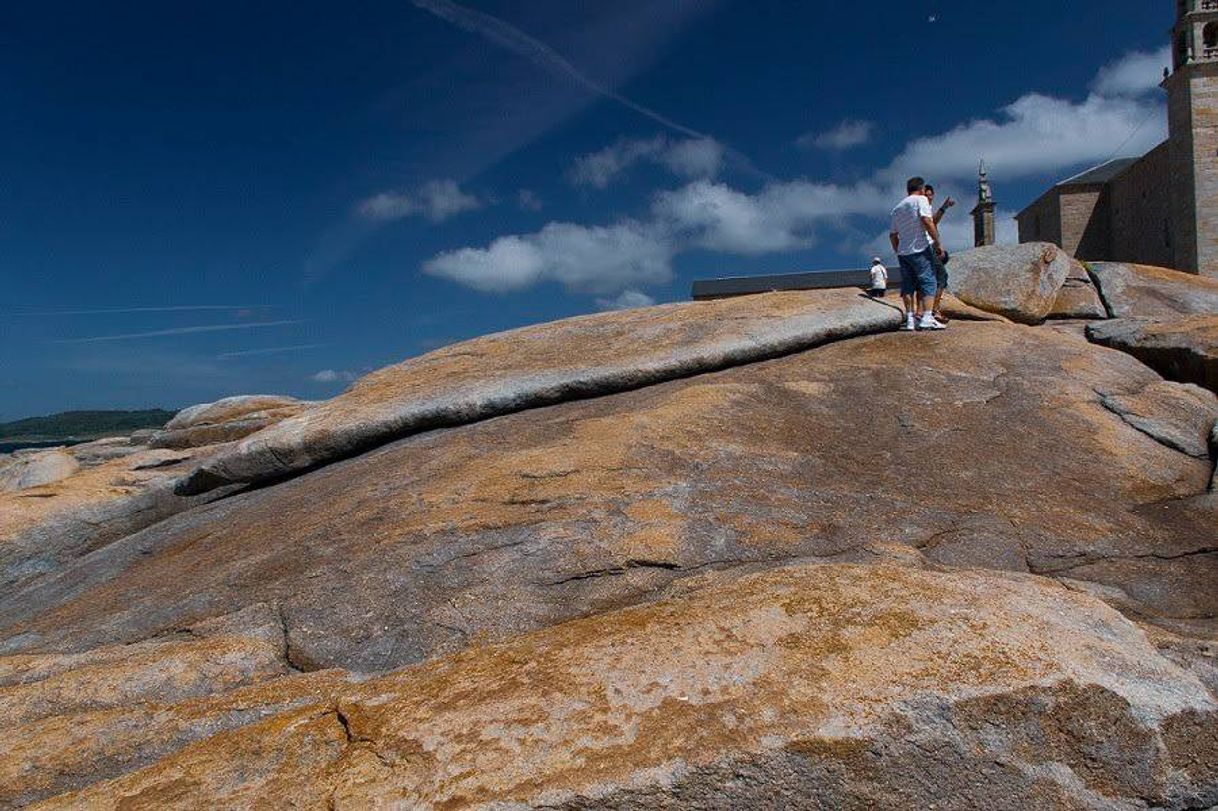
(1192, 113)
(983, 212)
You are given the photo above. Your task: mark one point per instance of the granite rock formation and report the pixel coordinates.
(1021, 283)
(1184, 349)
(225, 420)
(1139, 291)
(758, 553)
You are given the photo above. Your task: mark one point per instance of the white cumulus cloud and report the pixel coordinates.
(782, 216)
(690, 158)
(591, 259)
(846, 135)
(437, 200)
(1134, 74)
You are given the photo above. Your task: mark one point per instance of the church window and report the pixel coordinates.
(1209, 35)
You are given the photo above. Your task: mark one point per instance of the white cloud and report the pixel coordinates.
(693, 158)
(334, 376)
(437, 200)
(782, 216)
(627, 300)
(1036, 135)
(846, 135)
(1134, 74)
(591, 259)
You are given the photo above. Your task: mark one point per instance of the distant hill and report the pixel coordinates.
(82, 425)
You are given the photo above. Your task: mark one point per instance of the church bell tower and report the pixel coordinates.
(1192, 112)
(983, 213)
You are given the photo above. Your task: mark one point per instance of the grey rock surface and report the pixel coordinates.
(1078, 297)
(1180, 416)
(225, 420)
(1020, 282)
(1183, 348)
(34, 470)
(1140, 291)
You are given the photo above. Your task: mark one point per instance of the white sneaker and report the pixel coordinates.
(910, 324)
(928, 322)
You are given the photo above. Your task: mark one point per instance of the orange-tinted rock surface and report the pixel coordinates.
(534, 366)
(814, 687)
(988, 445)
(672, 558)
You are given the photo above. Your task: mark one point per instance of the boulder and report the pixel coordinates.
(37, 469)
(989, 445)
(535, 366)
(1020, 282)
(1141, 291)
(225, 420)
(1184, 348)
(819, 686)
(1078, 297)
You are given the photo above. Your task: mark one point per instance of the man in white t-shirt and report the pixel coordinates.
(879, 278)
(915, 239)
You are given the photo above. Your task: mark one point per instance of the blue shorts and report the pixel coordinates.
(918, 274)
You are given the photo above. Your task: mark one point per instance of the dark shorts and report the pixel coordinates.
(918, 274)
(877, 292)
(940, 270)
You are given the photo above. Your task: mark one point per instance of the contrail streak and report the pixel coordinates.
(274, 350)
(178, 309)
(513, 39)
(178, 331)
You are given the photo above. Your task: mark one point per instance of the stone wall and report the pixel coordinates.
(1041, 221)
(1205, 157)
(1180, 125)
(1141, 206)
(1086, 226)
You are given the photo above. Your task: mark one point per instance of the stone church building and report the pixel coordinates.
(1161, 208)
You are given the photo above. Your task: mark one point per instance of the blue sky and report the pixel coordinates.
(206, 199)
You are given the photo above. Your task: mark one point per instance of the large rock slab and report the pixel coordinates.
(113, 491)
(812, 687)
(540, 365)
(34, 470)
(1020, 282)
(226, 420)
(989, 445)
(1141, 291)
(1183, 349)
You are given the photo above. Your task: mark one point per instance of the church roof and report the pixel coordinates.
(1103, 173)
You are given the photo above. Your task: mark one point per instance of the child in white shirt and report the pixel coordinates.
(879, 279)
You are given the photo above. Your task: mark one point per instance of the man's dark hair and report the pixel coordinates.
(929, 187)
(915, 185)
